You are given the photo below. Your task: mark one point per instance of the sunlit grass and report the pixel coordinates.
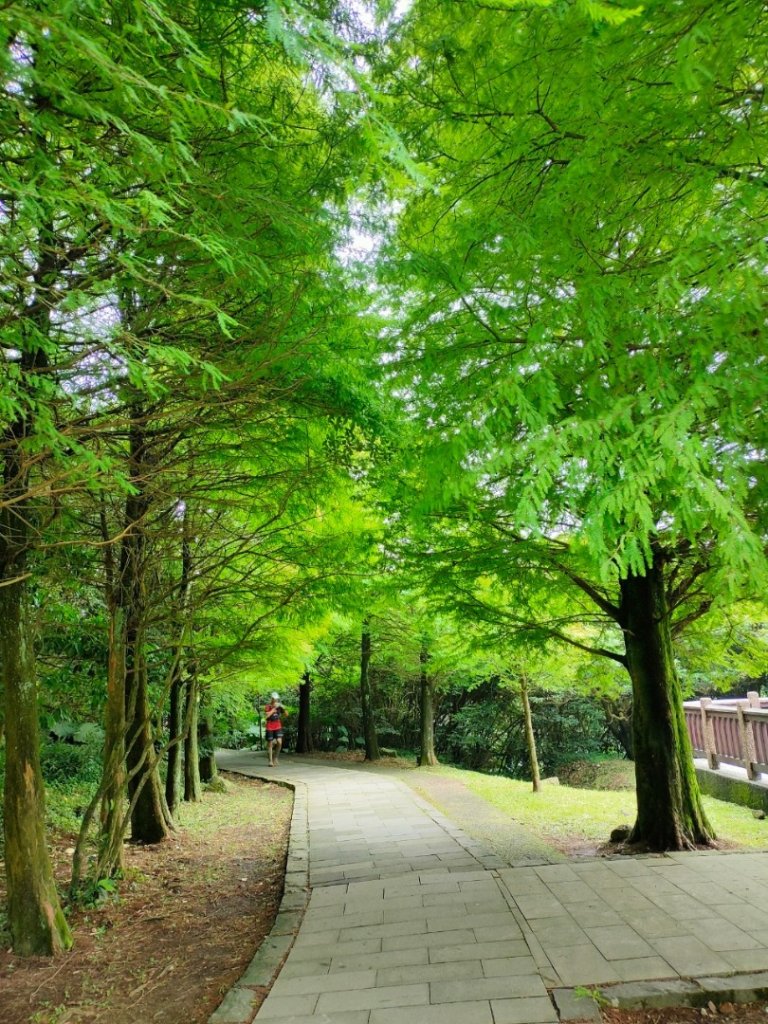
(562, 813)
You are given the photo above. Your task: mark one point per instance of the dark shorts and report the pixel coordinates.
(274, 734)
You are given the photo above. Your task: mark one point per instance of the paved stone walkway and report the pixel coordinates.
(409, 919)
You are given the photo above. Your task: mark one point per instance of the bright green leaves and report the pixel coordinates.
(581, 290)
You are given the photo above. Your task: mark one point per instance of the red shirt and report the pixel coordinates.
(272, 716)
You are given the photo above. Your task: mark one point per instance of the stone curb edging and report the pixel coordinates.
(241, 1002)
(575, 1004)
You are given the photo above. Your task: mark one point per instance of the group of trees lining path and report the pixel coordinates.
(308, 309)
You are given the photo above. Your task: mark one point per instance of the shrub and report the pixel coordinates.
(69, 762)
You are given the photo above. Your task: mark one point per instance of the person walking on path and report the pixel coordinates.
(273, 712)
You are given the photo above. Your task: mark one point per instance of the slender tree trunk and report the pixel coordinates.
(530, 737)
(427, 709)
(113, 782)
(304, 727)
(174, 774)
(366, 697)
(207, 756)
(176, 725)
(110, 859)
(670, 815)
(193, 790)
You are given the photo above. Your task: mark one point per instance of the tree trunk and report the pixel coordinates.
(114, 789)
(176, 727)
(366, 698)
(670, 815)
(37, 923)
(530, 737)
(304, 727)
(618, 721)
(148, 818)
(193, 790)
(427, 711)
(207, 757)
(174, 775)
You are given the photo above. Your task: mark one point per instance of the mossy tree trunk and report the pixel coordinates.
(37, 923)
(427, 709)
(304, 726)
(366, 696)
(670, 815)
(530, 736)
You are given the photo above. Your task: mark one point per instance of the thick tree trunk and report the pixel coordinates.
(670, 815)
(530, 736)
(37, 923)
(304, 727)
(366, 697)
(427, 711)
(193, 790)
(148, 817)
(149, 821)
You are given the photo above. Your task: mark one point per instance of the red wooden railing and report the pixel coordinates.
(730, 732)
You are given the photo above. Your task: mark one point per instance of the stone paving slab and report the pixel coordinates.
(392, 913)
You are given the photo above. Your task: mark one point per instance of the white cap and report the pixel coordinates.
(275, 696)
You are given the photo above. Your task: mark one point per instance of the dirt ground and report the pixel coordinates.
(191, 913)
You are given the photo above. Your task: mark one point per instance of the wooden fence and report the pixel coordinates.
(730, 732)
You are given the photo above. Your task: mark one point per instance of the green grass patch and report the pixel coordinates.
(560, 814)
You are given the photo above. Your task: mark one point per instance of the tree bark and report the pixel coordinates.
(304, 726)
(207, 758)
(37, 923)
(427, 710)
(148, 817)
(177, 703)
(366, 697)
(530, 736)
(114, 789)
(670, 815)
(618, 721)
(174, 773)
(193, 790)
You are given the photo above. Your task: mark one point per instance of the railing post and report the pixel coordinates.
(708, 734)
(754, 698)
(746, 739)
